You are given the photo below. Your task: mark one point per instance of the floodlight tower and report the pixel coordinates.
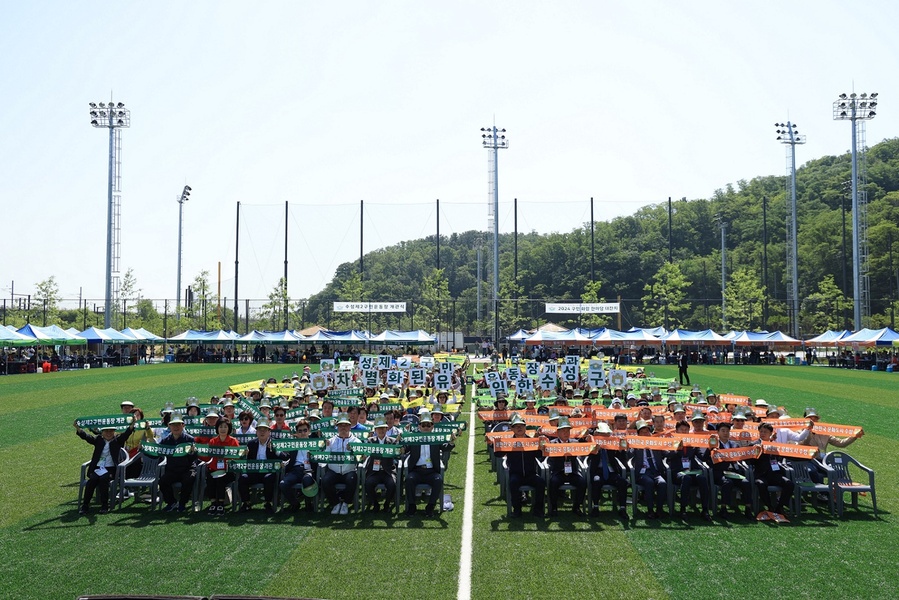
(788, 134)
(494, 140)
(855, 108)
(185, 196)
(112, 116)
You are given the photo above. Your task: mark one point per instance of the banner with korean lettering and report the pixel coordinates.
(653, 443)
(513, 444)
(789, 450)
(720, 455)
(366, 307)
(583, 308)
(837, 430)
(425, 439)
(571, 449)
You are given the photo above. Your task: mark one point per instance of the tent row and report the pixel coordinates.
(322, 336)
(682, 337)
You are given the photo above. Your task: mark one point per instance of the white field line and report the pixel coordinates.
(468, 516)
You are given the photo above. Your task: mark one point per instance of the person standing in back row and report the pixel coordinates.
(682, 363)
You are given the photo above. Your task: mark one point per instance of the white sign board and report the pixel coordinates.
(370, 307)
(582, 308)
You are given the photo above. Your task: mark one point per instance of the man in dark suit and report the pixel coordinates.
(604, 470)
(650, 469)
(767, 471)
(424, 464)
(380, 470)
(565, 470)
(178, 469)
(728, 475)
(683, 362)
(524, 470)
(104, 461)
(260, 449)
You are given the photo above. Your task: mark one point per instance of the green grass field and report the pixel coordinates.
(49, 552)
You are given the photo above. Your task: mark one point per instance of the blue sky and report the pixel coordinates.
(324, 104)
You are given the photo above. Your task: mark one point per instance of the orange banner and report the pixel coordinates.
(744, 435)
(789, 450)
(553, 432)
(574, 449)
(733, 399)
(840, 430)
(719, 417)
(494, 415)
(496, 435)
(697, 440)
(516, 445)
(668, 444)
(787, 423)
(720, 455)
(607, 414)
(610, 443)
(586, 423)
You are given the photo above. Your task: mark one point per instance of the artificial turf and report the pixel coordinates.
(51, 552)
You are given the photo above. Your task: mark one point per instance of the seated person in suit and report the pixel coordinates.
(685, 468)
(380, 470)
(524, 470)
(768, 471)
(340, 473)
(604, 470)
(299, 469)
(260, 449)
(730, 475)
(565, 470)
(178, 469)
(424, 464)
(105, 459)
(650, 468)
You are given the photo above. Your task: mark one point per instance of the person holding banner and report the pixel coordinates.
(767, 470)
(424, 468)
(218, 478)
(524, 470)
(260, 449)
(565, 470)
(299, 469)
(686, 468)
(650, 467)
(380, 470)
(178, 469)
(604, 470)
(730, 474)
(821, 441)
(343, 473)
(104, 461)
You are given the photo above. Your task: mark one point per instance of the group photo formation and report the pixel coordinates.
(463, 301)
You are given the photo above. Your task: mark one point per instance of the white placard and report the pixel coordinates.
(513, 374)
(442, 381)
(383, 362)
(347, 365)
(596, 378)
(417, 377)
(617, 377)
(319, 382)
(572, 359)
(343, 380)
(370, 307)
(491, 376)
(532, 369)
(548, 380)
(368, 361)
(445, 367)
(584, 308)
(525, 385)
(327, 364)
(497, 386)
(426, 362)
(395, 377)
(370, 377)
(403, 362)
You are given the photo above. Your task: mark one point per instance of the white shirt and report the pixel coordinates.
(339, 445)
(261, 452)
(787, 436)
(425, 459)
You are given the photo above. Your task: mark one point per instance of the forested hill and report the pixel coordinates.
(631, 261)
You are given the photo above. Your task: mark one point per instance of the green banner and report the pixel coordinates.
(389, 406)
(333, 458)
(118, 420)
(224, 451)
(386, 450)
(196, 430)
(244, 404)
(344, 402)
(425, 439)
(295, 444)
(154, 449)
(338, 393)
(450, 426)
(255, 466)
(245, 438)
(323, 424)
(152, 423)
(296, 413)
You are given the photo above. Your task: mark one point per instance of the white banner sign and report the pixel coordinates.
(364, 307)
(593, 308)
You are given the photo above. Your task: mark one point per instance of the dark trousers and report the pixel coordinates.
(376, 478)
(616, 480)
(688, 481)
(516, 480)
(655, 489)
(94, 482)
(217, 487)
(423, 476)
(682, 374)
(557, 480)
(774, 478)
(296, 475)
(728, 485)
(167, 483)
(330, 479)
(268, 481)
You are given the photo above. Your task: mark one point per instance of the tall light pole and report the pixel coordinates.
(113, 117)
(495, 140)
(723, 225)
(788, 134)
(854, 108)
(185, 194)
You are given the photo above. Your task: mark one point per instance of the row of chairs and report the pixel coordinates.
(835, 465)
(152, 469)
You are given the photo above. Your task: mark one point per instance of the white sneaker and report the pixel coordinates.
(343, 508)
(336, 509)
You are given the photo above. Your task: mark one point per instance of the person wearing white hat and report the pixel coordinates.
(380, 470)
(604, 470)
(260, 449)
(178, 469)
(424, 464)
(343, 473)
(104, 461)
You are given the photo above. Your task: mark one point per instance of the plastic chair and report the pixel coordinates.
(776, 489)
(340, 487)
(420, 489)
(606, 488)
(506, 491)
(148, 478)
(841, 480)
(715, 489)
(803, 484)
(380, 487)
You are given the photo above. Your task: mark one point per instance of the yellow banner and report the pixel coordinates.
(240, 388)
